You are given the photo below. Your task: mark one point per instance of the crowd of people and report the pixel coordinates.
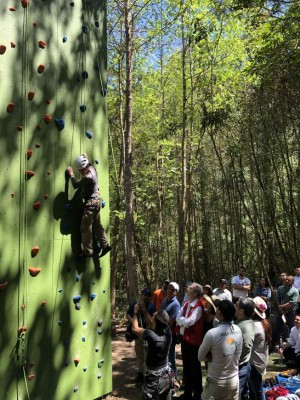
(229, 331)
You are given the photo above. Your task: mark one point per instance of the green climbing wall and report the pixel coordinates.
(55, 318)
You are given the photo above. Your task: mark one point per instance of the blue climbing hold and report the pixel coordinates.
(84, 369)
(103, 204)
(84, 322)
(77, 306)
(85, 29)
(88, 134)
(60, 123)
(103, 92)
(97, 349)
(96, 161)
(64, 39)
(83, 338)
(100, 331)
(60, 323)
(60, 290)
(82, 107)
(99, 376)
(84, 74)
(76, 299)
(76, 389)
(100, 322)
(97, 24)
(92, 296)
(77, 278)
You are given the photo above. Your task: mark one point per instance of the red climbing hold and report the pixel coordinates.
(20, 128)
(12, 8)
(25, 3)
(37, 145)
(41, 68)
(12, 45)
(46, 196)
(34, 251)
(31, 377)
(37, 205)
(22, 329)
(30, 95)
(2, 49)
(39, 127)
(34, 271)
(29, 174)
(29, 154)
(42, 44)
(10, 107)
(47, 118)
(3, 285)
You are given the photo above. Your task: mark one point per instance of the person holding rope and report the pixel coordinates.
(90, 222)
(159, 376)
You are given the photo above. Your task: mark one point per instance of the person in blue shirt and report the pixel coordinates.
(172, 306)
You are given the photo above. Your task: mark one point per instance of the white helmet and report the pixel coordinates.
(81, 162)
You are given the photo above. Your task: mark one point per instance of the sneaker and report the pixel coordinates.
(105, 250)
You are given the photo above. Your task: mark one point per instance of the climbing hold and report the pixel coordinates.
(96, 161)
(76, 360)
(99, 376)
(2, 49)
(43, 302)
(30, 95)
(85, 29)
(34, 251)
(42, 44)
(99, 323)
(60, 123)
(34, 271)
(31, 377)
(100, 363)
(12, 45)
(20, 128)
(37, 205)
(29, 153)
(46, 196)
(37, 145)
(64, 39)
(47, 118)
(10, 107)
(39, 127)
(12, 8)
(103, 92)
(97, 349)
(92, 296)
(84, 369)
(23, 306)
(25, 3)
(22, 329)
(82, 107)
(77, 278)
(48, 101)
(41, 68)
(103, 204)
(76, 299)
(84, 74)
(66, 363)
(103, 291)
(77, 306)
(97, 24)
(12, 194)
(3, 285)
(34, 24)
(88, 134)
(29, 174)
(84, 322)
(75, 389)
(60, 322)
(100, 331)
(83, 338)
(72, 4)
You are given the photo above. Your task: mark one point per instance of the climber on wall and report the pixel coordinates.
(90, 222)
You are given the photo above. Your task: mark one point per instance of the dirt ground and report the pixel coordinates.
(124, 368)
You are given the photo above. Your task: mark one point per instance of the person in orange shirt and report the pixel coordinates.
(160, 294)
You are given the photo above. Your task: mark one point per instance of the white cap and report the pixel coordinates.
(175, 285)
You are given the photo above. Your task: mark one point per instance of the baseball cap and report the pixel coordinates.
(146, 292)
(175, 285)
(223, 281)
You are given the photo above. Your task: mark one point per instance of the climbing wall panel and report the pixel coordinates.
(55, 307)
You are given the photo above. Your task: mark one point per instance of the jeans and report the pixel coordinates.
(256, 391)
(243, 380)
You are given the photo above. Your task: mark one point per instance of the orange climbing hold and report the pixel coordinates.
(2, 49)
(25, 3)
(22, 329)
(29, 174)
(34, 271)
(29, 154)
(10, 107)
(47, 118)
(34, 251)
(43, 303)
(37, 205)
(41, 68)
(30, 95)
(31, 377)
(76, 360)
(37, 145)
(12, 8)
(42, 44)
(46, 196)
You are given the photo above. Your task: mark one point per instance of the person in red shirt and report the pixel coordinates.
(160, 294)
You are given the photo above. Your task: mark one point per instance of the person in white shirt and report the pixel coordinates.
(291, 349)
(241, 285)
(222, 348)
(296, 284)
(222, 292)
